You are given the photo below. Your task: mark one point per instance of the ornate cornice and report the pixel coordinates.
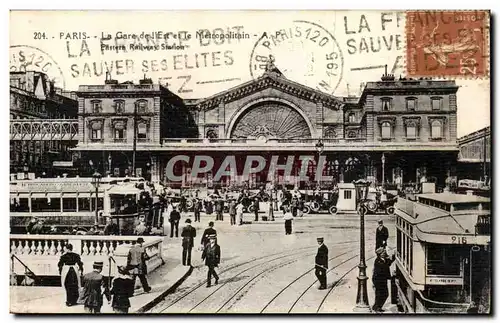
(416, 119)
(391, 120)
(268, 80)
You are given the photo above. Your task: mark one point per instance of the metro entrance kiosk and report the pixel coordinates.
(347, 197)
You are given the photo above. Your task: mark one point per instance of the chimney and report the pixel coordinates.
(109, 80)
(146, 80)
(387, 77)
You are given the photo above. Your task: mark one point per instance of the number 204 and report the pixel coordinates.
(458, 240)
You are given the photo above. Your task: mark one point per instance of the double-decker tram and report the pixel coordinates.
(63, 203)
(443, 258)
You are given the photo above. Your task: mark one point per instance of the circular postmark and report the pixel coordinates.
(24, 58)
(304, 52)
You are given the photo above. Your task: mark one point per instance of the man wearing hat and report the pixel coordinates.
(188, 234)
(136, 263)
(197, 207)
(174, 219)
(211, 255)
(381, 273)
(321, 263)
(93, 285)
(381, 235)
(207, 233)
(122, 289)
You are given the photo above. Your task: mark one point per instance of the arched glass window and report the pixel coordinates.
(386, 130)
(411, 130)
(436, 129)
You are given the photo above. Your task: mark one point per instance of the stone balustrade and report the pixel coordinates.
(41, 253)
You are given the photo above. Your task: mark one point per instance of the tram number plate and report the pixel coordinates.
(458, 240)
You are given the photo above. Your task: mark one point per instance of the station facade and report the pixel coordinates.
(398, 131)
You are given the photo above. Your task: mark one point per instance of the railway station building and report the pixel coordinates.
(398, 131)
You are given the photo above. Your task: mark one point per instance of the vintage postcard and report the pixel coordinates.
(250, 162)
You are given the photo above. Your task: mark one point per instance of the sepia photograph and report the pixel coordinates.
(250, 162)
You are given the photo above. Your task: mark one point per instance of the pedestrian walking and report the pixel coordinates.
(256, 208)
(239, 213)
(209, 207)
(219, 209)
(287, 215)
(211, 255)
(321, 263)
(94, 288)
(381, 236)
(71, 269)
(136, 263)
(188, 234)
(122, 288)
(232, 211)
(198, 206)
(381, 273)
(207, 233)
(294, 204)
(174, 220)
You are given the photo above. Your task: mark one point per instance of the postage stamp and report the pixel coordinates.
(447, 43)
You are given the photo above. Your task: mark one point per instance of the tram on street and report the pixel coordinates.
(63, 203)
(443, 257)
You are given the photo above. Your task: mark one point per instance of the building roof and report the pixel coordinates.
(454, 198)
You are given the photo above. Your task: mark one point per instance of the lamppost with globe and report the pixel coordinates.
(362, 304)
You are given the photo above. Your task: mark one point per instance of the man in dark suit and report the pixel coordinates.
(93, 286)
(381, 273)
(321, 263)
(211, 255)
(122, 288)
(111, 228)
(207, 233)
(256, 209)
(188, 234)
(136, 263)
(71, 269)
(198, 206)
(381, 236)
(174, 219)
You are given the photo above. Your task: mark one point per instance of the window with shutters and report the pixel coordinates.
(386, 104)
(142, 130)
(119, 106)
(386, 130)
(142, 106)
(411, 104)
(436, 129)
(96, 106)
(411, 130)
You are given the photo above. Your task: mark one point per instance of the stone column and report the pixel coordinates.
(155, 169)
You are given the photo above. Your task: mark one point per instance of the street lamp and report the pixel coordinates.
(362, 304)
(109, 164)
(96, 180)
(383, 168)
(319, 148)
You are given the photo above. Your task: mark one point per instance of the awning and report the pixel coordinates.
(126, 189)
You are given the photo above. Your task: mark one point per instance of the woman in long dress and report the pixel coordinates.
(70, 268)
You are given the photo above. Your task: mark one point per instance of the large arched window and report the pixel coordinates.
(386, 130)
(436, 129)
(411, 130)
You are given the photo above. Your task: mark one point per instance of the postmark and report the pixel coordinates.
(302, 51)
(24, 58)
(447, 43)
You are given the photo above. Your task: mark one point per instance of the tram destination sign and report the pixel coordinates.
(444, 281)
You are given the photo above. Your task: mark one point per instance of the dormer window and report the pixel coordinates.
(386, 104)
(436, 103)
(96, 106)
(411, 104)
(142, 106)
(119, 106)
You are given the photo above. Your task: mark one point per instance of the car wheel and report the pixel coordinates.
(306, 209)
(390, 210)
(371, 206)
(333, 210)
(251, 208)
(315, 207)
